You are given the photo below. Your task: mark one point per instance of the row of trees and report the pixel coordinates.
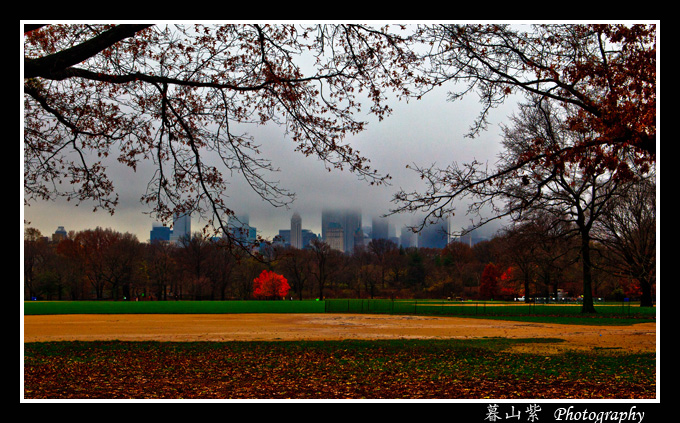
(534, 258)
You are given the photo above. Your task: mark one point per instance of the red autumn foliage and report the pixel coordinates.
(498, 283)
(509, 287)
(270, 285)
(488, 287)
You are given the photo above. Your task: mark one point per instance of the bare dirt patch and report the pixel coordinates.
(312, 327)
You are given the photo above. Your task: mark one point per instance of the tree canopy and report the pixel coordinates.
(183, 96)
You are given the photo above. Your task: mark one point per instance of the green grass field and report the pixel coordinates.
(617, 313)
(170, 307)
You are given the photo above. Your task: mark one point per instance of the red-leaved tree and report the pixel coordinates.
(270, 285)
(488, 287)
(509, 284)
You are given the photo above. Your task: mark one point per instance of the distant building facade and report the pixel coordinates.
(434, 236)
(284, 237)
(380, 228)
(345, 221)
(307, 237)
(408, 238)
(335, 236)
(181, 227)
(239, 228)
(59, 234)
(160, 233)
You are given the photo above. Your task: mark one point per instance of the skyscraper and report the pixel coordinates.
(408, 238)
(348, 220)
(239, 228)
(328, 217)
(435, 235)
(307, 237)
(352, 227)
(181, 227)
(335, 236)
(296, 231)
(159, 233)
(380, 228)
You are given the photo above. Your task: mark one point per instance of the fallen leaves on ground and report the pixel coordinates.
(330, 370)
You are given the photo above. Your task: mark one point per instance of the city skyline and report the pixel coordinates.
(372, 228)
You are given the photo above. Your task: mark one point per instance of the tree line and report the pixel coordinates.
(534, 257)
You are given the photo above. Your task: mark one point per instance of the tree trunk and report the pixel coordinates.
(588, 306)
(646, 288)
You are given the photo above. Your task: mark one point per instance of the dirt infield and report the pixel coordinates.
(271, 327)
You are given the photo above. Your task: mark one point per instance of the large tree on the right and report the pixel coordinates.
(575, 195)
(587, 128)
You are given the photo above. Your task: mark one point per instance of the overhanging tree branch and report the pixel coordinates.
(56, 63)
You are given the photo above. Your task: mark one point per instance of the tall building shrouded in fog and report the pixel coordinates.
(434, 236)
(349, 221)
(408, 238)
(335, 236)
(296, 231)
(380, 228)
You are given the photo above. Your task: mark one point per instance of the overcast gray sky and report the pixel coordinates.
(421, 132)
